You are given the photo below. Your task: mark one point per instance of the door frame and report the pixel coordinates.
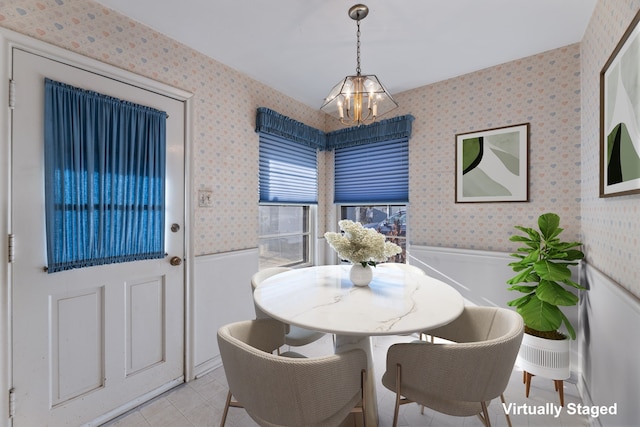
(8, 41)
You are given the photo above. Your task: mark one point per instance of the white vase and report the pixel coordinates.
(359, 275)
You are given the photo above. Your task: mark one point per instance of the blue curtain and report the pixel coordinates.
(104, 179)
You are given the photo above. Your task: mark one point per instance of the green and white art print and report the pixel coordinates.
(620, 117)
(492, 165)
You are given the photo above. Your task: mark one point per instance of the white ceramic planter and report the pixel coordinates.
(547, 358)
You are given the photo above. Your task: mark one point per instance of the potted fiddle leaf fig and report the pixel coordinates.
(544, 276)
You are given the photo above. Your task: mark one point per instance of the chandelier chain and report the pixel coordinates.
(358, 48)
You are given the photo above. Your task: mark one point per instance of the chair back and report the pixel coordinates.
(257, 278)
(281, 391)
(475, 368)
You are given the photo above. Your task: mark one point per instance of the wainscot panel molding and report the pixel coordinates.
(609, 342)
(481, 277)
(221, 295)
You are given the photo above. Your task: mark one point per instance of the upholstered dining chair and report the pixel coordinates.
(462, 376)
(295, 335)
(281, 391)
(406, 267)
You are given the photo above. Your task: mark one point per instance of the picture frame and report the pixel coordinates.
(492, 165)
(620, 117)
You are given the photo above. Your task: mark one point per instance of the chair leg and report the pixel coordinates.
(226, 409)
(398, 385)
(504, 404)
(364, 398)
(485, 416)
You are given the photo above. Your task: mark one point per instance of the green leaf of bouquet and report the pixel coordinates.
(553, 293)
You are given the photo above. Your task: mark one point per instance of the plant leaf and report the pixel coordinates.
(522, 288)
(555, 294)
(540, 315)
(569, 326)
(548, 270)
(520, 277)
(520, 301)
(571, 283)
(548, 224)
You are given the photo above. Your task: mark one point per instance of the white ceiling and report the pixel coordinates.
(304, 47)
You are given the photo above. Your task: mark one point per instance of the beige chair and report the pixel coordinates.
(461, 377)
(295, 336)
(406, 267)
(282, 391)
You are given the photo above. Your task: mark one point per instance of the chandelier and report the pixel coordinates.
(358, 99)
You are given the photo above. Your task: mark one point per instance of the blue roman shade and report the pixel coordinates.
(376, 172)
(371, 162)
(288, 171)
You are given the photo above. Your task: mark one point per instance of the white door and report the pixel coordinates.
(88, 341)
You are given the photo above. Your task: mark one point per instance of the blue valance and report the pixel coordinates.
(272, 123)
(384, 130)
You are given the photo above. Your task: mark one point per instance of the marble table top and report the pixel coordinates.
(323, 298)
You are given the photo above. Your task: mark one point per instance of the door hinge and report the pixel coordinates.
(11, 242)
(12, 94)
(12, 402)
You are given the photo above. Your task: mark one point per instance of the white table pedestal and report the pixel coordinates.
(350, 342)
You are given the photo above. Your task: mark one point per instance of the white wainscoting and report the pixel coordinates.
(221, 295)
(610, 348)
(480, 276)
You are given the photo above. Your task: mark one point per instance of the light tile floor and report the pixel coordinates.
(199, 403)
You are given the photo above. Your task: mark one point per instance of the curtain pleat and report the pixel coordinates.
(104, 179)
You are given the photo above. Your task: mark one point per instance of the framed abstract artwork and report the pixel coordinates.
(493, 165)
(620, 117)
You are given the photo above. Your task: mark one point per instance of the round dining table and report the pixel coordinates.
(396, 302)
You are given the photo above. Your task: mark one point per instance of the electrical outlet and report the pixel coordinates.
(205, 198)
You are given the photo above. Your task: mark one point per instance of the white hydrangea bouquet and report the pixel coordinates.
(360, 245)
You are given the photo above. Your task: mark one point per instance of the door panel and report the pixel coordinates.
(90, 340)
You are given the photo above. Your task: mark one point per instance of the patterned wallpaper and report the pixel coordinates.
(225, 146)
(611, 226)
(543, 90)
(554, 91)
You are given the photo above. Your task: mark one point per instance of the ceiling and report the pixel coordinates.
(302, 48)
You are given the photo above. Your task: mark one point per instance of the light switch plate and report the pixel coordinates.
(205, 198)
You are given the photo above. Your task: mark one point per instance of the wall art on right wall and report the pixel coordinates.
(620, 117)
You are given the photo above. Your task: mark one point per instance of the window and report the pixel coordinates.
(288, 189)
(390, 220)
(284, 235)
